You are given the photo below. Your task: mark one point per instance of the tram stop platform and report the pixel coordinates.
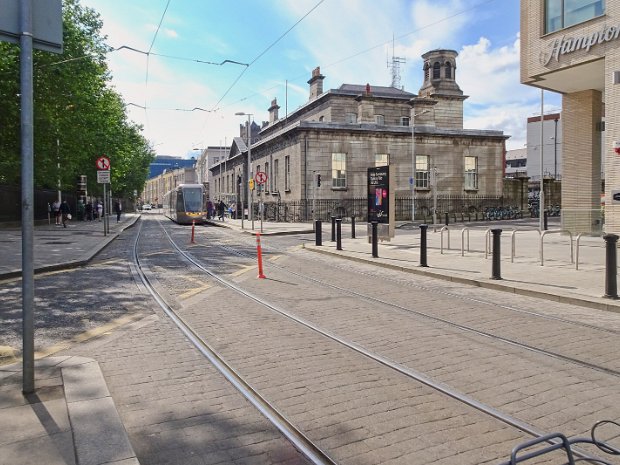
(570, 268)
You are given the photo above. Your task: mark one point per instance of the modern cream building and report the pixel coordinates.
(573, 47)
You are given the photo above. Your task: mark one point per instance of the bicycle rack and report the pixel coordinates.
(559, 442)
(463, 241)
(444, 228)
(513, 241)
(542, 236)
(487, 243)
(577, 250)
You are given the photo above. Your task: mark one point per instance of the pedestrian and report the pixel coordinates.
(221, 208)
(89, 211)
(65, 211)
(99, 209)
(118, 210)
(56, 211)
(209, 210)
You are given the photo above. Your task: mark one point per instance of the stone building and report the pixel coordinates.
(339, 133)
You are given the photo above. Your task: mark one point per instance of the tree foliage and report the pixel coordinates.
(78, 116)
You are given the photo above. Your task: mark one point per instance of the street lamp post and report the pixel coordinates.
(413, 167)
(249, 193)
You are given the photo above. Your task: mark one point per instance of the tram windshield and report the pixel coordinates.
(193, 199)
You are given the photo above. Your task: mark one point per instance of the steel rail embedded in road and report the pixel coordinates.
(301, 442)
(410, 373)
(521, 345)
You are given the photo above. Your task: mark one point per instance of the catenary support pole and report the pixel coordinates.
(27, 137)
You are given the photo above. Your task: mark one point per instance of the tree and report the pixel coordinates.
(77, 115)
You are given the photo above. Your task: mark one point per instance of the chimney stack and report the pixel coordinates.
(273, 111)
(316, 83)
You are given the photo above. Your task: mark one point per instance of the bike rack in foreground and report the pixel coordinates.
(542, 236)
(556, 441)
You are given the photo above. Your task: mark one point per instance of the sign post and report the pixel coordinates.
(261, 178)
(32, 24)
(103, 177)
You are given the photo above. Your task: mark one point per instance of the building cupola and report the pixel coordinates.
(440, 85)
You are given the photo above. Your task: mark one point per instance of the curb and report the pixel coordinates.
(493, 285)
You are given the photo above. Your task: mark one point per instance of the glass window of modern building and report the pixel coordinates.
(560, 14)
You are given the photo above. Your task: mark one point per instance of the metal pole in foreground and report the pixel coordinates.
(611, 284)
(27, 136)
(496, 266)
(333, 228)
(423, 228)
(375, 248)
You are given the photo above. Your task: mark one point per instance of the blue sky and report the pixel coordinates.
(351, 40)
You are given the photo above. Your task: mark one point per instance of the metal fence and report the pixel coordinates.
(323, 209)
(11, 211)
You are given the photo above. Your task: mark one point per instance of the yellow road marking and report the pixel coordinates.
(192, 292)
(243, 269)
(82, 337)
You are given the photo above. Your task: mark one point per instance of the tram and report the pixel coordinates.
(185, 204)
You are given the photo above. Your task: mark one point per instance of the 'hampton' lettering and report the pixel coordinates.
(566, 45)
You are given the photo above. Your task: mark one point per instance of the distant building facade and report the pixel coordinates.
(155, 188)
(338, 134)
(169, 162)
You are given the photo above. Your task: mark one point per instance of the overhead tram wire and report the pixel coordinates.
(260, 55)
(304, 76)
(148, 57)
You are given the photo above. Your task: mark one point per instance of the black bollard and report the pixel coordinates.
(318, 232)
(423, 228)
(338, 233)
(333, 228)
(375, 248)
(353, 227)
(545, 220)
(611, 285)
(496, 267)
(447, 219)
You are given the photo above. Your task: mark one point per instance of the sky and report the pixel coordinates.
(187, 99)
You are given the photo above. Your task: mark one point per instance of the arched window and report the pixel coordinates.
(448, 70)
(436, 70)
(426, 72)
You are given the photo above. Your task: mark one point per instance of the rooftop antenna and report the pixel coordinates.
(395, 67)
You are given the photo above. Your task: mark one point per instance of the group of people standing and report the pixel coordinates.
(220, 208)
(89, 212)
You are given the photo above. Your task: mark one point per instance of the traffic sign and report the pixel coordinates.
(251, 184)
(103, 177)
(103, 163)
(261, 177)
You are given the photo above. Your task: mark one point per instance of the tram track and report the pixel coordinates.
(486, 334)
(296, 437)
(411, 374)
